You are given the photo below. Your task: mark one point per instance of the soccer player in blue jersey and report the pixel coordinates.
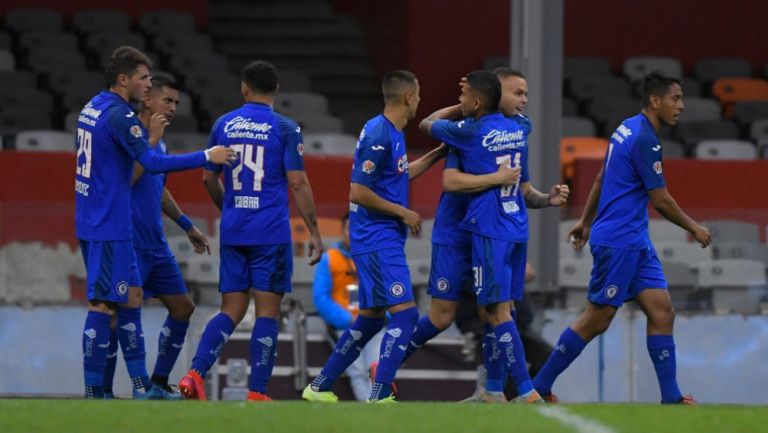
(109, 139)
(615, 221)
(160, 274)
(379, 224)
(496, 217)
(256, 254)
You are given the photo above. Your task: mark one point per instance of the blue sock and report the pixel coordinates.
(494, 367)
(393, 346)
(568, 347)
(263, 345)
(212, 342)
(513, 356)
(131, 338)
(109, 370)
(662, 351)
(424, 332)
(169, 345)
(95, 346)
(347, 350)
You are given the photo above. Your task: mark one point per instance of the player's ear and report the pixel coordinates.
(122, 80)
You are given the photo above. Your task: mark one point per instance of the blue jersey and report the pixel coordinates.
(632, 167)
(109, 138)
(450, 211)
(380, 164)
(268, 144)
(146, 206)
(483, 145)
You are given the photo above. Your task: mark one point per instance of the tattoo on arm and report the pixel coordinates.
(535, 199)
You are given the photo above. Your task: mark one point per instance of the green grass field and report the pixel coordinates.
(61, 416)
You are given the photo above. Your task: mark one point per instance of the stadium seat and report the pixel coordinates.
(182, 63)
(732, 90)
(303, 273)
(153, 23)
(418, 248)
(690, 132)
(585, 67)
(57, 41)
(741, 250)
(763, 148)
(33, 19)
(45, 62)
(725, 150)
(747, 112)
(13, 120)
(330, 144)
(61, 80)
(26, 98)
(577, 127)
(318, 122)
(184, 142)
(183, 123)
(635, 68)
(169, 43)
(701, 109)
(758, 129)
(92, 21)
(736, 285)
(683, 252)
(572, 148)
(691, 88)
(672, 149)
(725, 231)
(204, 82)
(202, 269)
(75, 98)
(710, 69)
(587, 88)
(214, 104)
(7, 61)
(678, 274)
(5, 41)
(294, 81)
(102, 44)
(184, 108)
(46, 141)
(18, 79)
(171, 229)
(570, 107)
(661, 230)
(296, 103)
(610, 111)
(568, 252)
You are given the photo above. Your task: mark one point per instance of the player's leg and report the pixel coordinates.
(655, 301)
(494, 365)
(612, 273)
(369, 322)
(359, 373)
(109, 370)
(394, 289)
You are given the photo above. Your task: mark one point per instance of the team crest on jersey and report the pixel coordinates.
(610, 291)
(300, 149)
(397, 289)
(136, 131)
(657, 167)
(368, 166)
(122, 288)
(402, 164)
(442, 285)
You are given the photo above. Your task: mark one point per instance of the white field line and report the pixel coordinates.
(579, 423)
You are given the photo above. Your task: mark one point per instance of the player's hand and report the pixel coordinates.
(198, 241)
(578, 235)
(316, 249)
(442, 151)
(222, 155)
(702, 235)
(507, 175)
(558, 195)
(157, 124)
(412, 220)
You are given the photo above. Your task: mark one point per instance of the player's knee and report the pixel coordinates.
(103, 307)
(182, 312)
(662, 317)
(441, 320)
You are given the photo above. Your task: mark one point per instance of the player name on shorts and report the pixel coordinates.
(246, 202)
(81, 188)
(497, 141)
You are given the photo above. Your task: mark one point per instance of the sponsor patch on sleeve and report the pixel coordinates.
(368, 166)
(657, 167)
(136, 131)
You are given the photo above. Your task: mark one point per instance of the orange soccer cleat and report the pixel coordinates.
(192, 386)
(258, 397)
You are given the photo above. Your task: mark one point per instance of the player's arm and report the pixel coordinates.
(579, 233)
(454, 180)
(331, 312)
(667, 207)
(418, 167)
(361, 195)
(214, 186)
(535, 199)
(451, 112)
(138, 170)
(302, 195)
(172, 210)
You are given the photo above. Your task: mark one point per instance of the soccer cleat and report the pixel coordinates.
(550, 398)
(372, 375)
(491, 397)
(156, 393)
(386, 400)
(109, 395)
(192, 386)
(532, 397)
(258, 397)
(688, 400)
(310, 394)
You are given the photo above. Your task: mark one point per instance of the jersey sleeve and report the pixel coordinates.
(454, 134)
(213, 141)
(370, 158)
(646, 158)
(128, 132)
(525, 175)
(293, 159)
(453, 160)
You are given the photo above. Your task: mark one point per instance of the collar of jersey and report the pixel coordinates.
(259, 105)
(490, 115)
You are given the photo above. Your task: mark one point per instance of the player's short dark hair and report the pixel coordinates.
(506, 72)
(658, 85)
(163, 80)
(261, 77)
(124, 60)
(487, 87)
(395, 84)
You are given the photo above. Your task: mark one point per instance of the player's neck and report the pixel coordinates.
(397, 116)
(260, 99)
(122, 92)
(652, 118)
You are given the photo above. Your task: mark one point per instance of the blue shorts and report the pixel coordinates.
(620, 275)
(384, 278)
(498, 267)
(160, 274)
(451, 271)
(111, 268)
(267, 268)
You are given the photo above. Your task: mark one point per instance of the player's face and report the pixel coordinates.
(671, 105)
(514, 95)
(138, 83)
(163, 101)
(412, 99)
(468, 101)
